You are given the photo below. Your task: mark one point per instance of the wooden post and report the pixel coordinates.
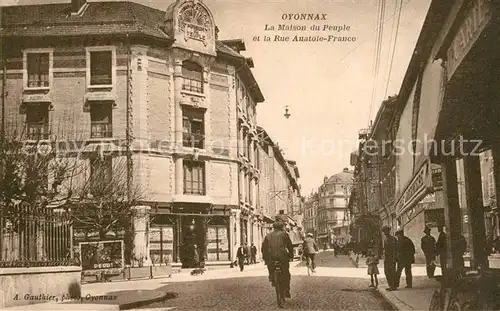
(452, 213)
(475, 210)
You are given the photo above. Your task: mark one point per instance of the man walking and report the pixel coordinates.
(246, 251)
(428, 244)
(441, 249)
(253, 252)
(277, 247)
(405, 258)
(240, 254)
(310, 249)
(390, 258)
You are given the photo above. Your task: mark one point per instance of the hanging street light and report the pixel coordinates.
(287, 113)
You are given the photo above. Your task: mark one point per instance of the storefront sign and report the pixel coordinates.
(475, 22)
(417, 187)
(437, 179)
(102, 255)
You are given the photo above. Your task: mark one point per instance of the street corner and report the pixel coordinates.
(124, 300)
(392, 299)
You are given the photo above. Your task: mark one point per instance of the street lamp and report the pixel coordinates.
(287, 113)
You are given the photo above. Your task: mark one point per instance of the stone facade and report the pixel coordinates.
(327, 213)
(180, 98)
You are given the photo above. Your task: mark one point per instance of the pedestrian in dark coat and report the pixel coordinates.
(406, 257)
(196, 257)
(241, 255)
(441, 249)
(390, 258)
(253, 252)
(428, 244)
(247, 253)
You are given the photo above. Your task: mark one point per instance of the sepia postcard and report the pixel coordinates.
(249, 155)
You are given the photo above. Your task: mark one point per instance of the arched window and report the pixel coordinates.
(192, 77)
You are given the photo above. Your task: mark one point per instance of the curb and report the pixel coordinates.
(394, 301)
(141, 303)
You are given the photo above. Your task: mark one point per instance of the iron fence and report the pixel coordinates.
(32, 236)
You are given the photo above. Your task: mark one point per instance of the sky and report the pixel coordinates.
(327, 86)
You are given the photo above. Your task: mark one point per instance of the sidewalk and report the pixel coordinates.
(416, 298)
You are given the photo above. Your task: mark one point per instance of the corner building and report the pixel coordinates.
(160, 85)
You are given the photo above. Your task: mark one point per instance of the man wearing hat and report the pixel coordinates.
(310, 249)
(390, 253)
(406, 257)
(277, 247)
(428, 244)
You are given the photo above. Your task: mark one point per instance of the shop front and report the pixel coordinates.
(469, 125)
(174, 235)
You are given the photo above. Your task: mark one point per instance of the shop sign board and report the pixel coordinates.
(437, 179)
(417, 187)
(475, 22)
(102, 255)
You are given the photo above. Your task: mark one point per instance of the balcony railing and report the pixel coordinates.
(195, 191)
(101, 130)
(192, 85)
(193, 140)
(36, 131)
(41, 81)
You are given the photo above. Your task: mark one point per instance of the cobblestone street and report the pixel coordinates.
(340, 288)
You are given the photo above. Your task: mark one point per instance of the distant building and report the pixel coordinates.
(326, 210)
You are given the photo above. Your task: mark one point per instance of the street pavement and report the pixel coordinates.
(337, 285)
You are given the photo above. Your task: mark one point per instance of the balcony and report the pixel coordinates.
(36, 131)
(193, 140)
(101, 130)
(41, 82)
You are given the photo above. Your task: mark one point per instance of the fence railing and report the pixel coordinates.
(31, 236)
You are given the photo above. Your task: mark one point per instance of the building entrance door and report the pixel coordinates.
(193, 241)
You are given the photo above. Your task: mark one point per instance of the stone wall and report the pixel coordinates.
(23, 286)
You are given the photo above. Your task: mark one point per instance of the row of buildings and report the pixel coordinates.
(326, 213)
(431, 155)
(162, 90)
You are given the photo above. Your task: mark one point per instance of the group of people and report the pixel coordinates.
(246, 255)
(399, 255)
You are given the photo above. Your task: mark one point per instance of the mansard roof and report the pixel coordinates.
(110, 18)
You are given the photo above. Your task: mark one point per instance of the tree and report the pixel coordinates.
(91, 189)
(101, 197)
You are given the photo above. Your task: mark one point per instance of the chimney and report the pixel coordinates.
(77, 5)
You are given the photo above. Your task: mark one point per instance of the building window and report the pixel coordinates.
(491, 185)
(101, 63)
(250, 191)
(100, 68)
(244, 142)
(38, 65)
(194, 177)
(193, 127)
(192, 77)
(101, 120)
(37, 121)
(101, 173)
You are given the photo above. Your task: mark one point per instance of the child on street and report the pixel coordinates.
(372, 263)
